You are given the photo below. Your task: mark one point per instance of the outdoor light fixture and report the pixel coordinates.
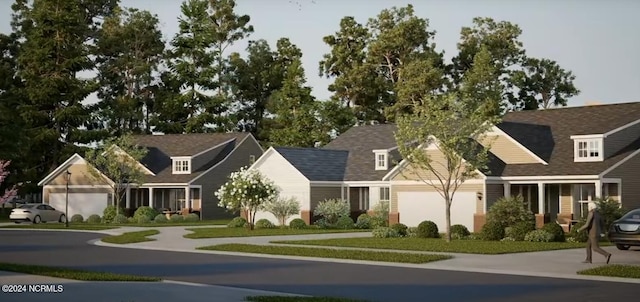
(66, 204)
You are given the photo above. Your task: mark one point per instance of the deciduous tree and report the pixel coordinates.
(12, 191)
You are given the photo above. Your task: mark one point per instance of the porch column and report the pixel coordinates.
(342, 192)
(541, 198)
(151, 197)
(127, 197)
(507, 189)
(187, 198)
(598, 185)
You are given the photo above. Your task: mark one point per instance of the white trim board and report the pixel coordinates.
(137, 162)
(618, 164)
(622, 127)
(73, 159)
(432, 182)
(539, 178)
(209, 149)
(496, 130)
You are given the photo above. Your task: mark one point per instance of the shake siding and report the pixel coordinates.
(415, 173)
(629, 172)
(80, 175)
(566, 199)
(507, 151)
(615, 142)
(319, 194)
(216, 177)
(427, 188)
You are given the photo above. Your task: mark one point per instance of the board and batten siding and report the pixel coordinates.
(507, 150)
(213, 179)
(288, 179)
(629, 173)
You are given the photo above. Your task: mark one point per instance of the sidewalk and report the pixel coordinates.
(80, 291)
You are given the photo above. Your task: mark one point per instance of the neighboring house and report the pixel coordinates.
(182, 172)
(558, 160)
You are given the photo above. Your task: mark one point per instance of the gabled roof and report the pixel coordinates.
(360, 141)
(547, 133)
(73, 159)
(316, 164)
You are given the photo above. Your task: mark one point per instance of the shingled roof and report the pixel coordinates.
(162, 147)
(547, 134)
(316, 164)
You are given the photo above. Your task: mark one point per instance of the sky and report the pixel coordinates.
(597, 40)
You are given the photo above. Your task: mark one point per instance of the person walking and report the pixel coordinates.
(593, 226)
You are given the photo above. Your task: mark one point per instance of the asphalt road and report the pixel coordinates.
(373, 283)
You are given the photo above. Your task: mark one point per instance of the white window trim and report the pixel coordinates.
(175, 160)
(388, 189)
(588, 141)
(384, 153)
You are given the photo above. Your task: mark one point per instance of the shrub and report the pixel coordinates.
(297, 223)
(192, 217)
(322, 223)
(377, 221)
(492, 231)
(459, 231)
(400, 228)
(345, 222)
(120, 218)
(539, 236)
(331, 210)
(109, 213)
(610, 211)
(94, 219)
(381, 212)
(174, 218)
(142, 219)
(412, 232)
(363, 222)
(151, 213)
(77, 218)
(160, 218)
(237, 222)
(384, 232)
(131, 220)
(283, 208)
(519, 230)
(577, 236)
(509, 211)
(428, 229)
(264, 224)
(556, 230)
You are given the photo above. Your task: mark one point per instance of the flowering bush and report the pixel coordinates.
(332, 209)
(539, 236)
(384, 232)
(381, 212)
(282, 208)
(246, 190)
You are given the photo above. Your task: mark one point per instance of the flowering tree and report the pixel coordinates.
(247, 190)
(283, 208)
(10, 193)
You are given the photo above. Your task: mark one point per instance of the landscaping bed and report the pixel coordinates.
(297, 299)
(328, 253)
(468, 246)
(613, 270)
(131, 237)
(75, 274)
(200, 233)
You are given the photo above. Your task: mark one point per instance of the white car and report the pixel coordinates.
(36, 213)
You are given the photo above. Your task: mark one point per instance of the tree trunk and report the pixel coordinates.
(448, 222)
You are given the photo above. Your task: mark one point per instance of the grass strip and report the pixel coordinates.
(613, 270)
(131, 237)
(201, 233)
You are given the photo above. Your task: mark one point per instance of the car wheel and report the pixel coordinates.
(623, 247)
(37, 219)
(62, 218)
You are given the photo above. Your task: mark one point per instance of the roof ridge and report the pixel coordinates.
(573, 107)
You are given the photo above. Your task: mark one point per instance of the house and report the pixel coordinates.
(182, 172)
(558, 160)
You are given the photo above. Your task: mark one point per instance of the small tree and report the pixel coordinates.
(381, 211)
(117, 160)
(332, 209)
(246, 190)
(283, 208)
(610, 210)
(4, 172)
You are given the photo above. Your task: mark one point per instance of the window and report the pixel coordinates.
(381, 159)
(584, 193)
(181, 166)
(588, 150)
(363, 201)
(384, 194)
(252, 159)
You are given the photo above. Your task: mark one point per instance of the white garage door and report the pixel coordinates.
(84, 204)
(416, 207)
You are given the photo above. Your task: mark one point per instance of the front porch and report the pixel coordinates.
(165, 199)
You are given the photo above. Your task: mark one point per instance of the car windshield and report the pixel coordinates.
(633, 215)
(26, 206)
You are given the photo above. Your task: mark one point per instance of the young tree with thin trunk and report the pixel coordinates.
(4, 172)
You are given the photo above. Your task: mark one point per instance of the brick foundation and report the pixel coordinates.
(394, 218)
(541, 219)
(307, 216)
(478, 222)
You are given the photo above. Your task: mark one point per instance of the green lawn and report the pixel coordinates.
(297, 299)
(67, 273)
(131, 237)
(613, 270)
(201, 233)
(440, 245)
(327, 253)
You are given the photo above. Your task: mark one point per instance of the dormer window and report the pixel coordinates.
(181, 165)
(381, 159)
(587, 149)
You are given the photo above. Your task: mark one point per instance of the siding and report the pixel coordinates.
(494, 192)
(217, 176)
(629, 172)
(319, 194)
(415, 173)
(48, 190)
(507, 151)
(80, 175)
(615, 142)
(395, 188)
(566, 198)
(201, 160)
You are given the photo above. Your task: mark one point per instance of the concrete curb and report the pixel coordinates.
(430, 266)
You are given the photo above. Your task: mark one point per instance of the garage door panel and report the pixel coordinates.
(415, 207)
(85, 204)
